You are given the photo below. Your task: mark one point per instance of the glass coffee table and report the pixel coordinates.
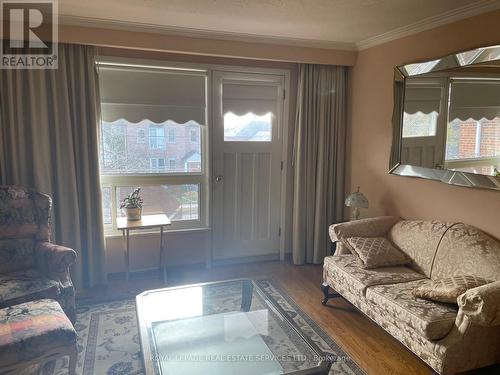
(219, 328)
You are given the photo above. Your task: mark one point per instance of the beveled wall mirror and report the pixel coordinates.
(447, 119)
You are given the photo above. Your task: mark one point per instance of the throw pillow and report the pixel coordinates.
(448, 289)
(377, 252)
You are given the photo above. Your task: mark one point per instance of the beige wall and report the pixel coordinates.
(181, 248)
(371, 130)
(204, 46)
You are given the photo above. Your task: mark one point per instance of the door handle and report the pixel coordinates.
(219, 178)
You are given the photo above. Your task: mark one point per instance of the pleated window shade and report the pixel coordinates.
(474, 99)
(421, 98)
(158, 95)
(241, 99)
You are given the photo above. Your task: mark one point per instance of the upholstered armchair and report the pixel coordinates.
(31, 267)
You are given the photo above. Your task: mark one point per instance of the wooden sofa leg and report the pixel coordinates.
(326, 293)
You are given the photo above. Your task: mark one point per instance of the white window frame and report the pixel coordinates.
(201, 179)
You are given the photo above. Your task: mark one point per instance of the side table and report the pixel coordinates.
(147, 222)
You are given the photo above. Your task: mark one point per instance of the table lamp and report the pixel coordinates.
(356, 200)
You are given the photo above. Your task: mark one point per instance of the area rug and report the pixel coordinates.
(108, 340)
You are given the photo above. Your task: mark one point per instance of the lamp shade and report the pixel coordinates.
(357, 200)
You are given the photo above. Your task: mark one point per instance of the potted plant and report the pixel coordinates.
(132, 204)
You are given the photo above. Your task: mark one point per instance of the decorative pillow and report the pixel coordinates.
(377, 252)
(448, 289)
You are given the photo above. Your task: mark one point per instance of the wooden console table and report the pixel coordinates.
(147, 222)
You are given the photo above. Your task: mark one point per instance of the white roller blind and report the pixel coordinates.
(422, 98)
(474, 98)
(244, 98)
(136, 94)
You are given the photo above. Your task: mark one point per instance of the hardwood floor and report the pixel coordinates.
(376, 351)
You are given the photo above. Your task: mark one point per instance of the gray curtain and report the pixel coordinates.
(319, 159)
(49, 141)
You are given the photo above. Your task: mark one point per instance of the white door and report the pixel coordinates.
(424, 122)
(246, 160)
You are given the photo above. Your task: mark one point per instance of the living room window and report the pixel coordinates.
(166, 105)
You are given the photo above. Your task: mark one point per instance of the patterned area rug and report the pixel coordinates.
(108, 340)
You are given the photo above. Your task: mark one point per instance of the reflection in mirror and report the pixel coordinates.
(447, 119)
(467, 58)
(473, 132)
(424, 119)
(462, 136)
(465, 137)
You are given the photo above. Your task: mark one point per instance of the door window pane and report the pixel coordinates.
(124, 151)
(248, 127)
(419, 124)
(178, 202)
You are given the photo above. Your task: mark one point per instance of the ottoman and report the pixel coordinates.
(34, 333)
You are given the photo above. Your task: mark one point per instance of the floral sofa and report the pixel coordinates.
(450, 338)
(31, 267)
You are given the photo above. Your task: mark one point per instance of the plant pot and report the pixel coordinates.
(133, 213)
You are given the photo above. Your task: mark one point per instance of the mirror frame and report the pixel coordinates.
(450, 177)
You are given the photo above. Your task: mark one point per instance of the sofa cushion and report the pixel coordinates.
(16, 254)
(29, 330)
(347, 271)
(448, 289)
(432, 320)
(465, 250)
(419, 240)
(22, 286)
(377, 252)
(370, 227)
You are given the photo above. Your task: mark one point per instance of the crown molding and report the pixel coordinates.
(70, 20)
(430, 23)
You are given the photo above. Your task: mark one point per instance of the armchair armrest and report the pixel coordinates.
(482, 304)
(54, 260)
(372, 227)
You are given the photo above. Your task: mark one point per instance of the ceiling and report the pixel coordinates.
(341, 24)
